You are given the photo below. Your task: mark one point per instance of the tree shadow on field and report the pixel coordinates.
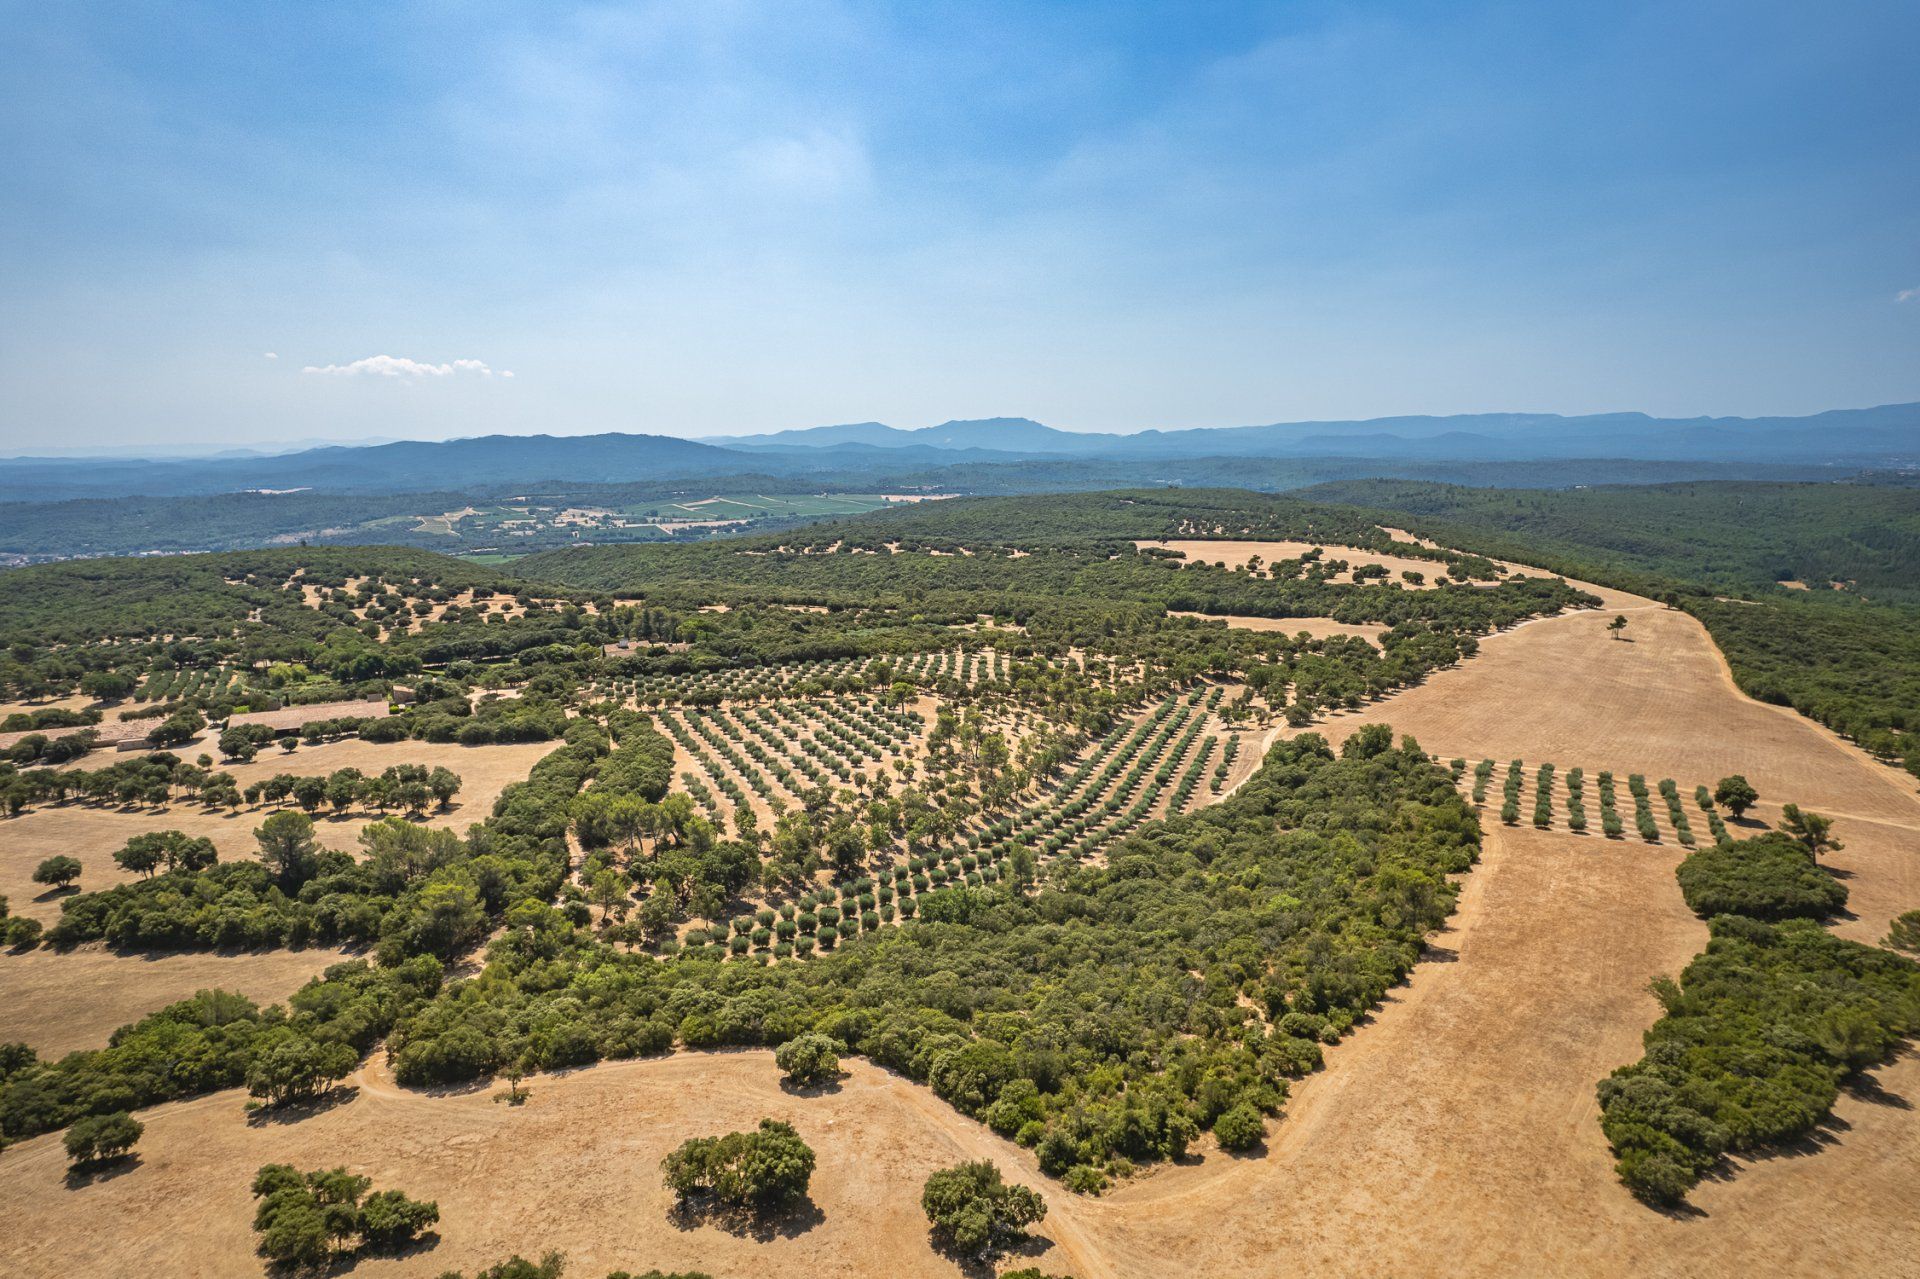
(294, 1112)
(825, 1088)
(985, 1265)
(743, 1223)
(1432, 954)
(81, 1176)
(1682, 1211)
(419, 1245)
(1867, 1088)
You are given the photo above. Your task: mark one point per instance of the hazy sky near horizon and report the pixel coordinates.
(243, 222)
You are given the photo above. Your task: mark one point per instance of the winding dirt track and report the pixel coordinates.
(1455, 1134)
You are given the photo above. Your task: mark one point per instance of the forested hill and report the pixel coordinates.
(1866, 535)
(1050, 520)
(89, 601)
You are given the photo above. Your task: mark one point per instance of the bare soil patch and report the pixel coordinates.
(1236, 554)
(1314, 627)
(576, 1168)
(59, 1003)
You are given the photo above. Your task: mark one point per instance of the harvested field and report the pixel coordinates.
(59, 1003)
(1458, 1133)
(93, 835)
(1455, 1135)
(1236, 554)
(1661, 702)
(1316, 627)
(293, 717)
(576, 1168)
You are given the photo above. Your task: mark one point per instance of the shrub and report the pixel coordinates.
(761, 1171)
(971, 1210)
(1768, 877)
(808, 1059)
(100, 1139)
(1240, 1128)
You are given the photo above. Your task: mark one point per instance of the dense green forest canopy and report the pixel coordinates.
(1730, 535)
(196, 595)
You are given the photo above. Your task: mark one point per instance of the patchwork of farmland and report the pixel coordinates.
(1266, 889)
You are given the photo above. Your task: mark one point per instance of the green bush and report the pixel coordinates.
(763, 1171)
(100, 1139)
(972, 1210)
(1768, 877)
(1240, 1128)
(808, 1059)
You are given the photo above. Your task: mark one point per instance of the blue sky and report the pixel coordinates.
(723, 216)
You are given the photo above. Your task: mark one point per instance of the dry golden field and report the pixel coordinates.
(57, 1004)
(93, 834)
(1236, 554)
(1313, 627)
(575, 1168)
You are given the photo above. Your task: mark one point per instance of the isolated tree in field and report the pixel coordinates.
(445, 784)
(761, 1171)
(1736, 793)
(57, 872)
(1811, 829)
(1617, 625)
(303, 1217)
(99, 1139)
(287, 847)
(808, 1059)
(973, 1211)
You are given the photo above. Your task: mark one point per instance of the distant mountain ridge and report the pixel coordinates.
(1887, 436)
(1839, 435)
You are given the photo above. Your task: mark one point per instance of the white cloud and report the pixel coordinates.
(397, 366)
(270, 355)
(1907, 295)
